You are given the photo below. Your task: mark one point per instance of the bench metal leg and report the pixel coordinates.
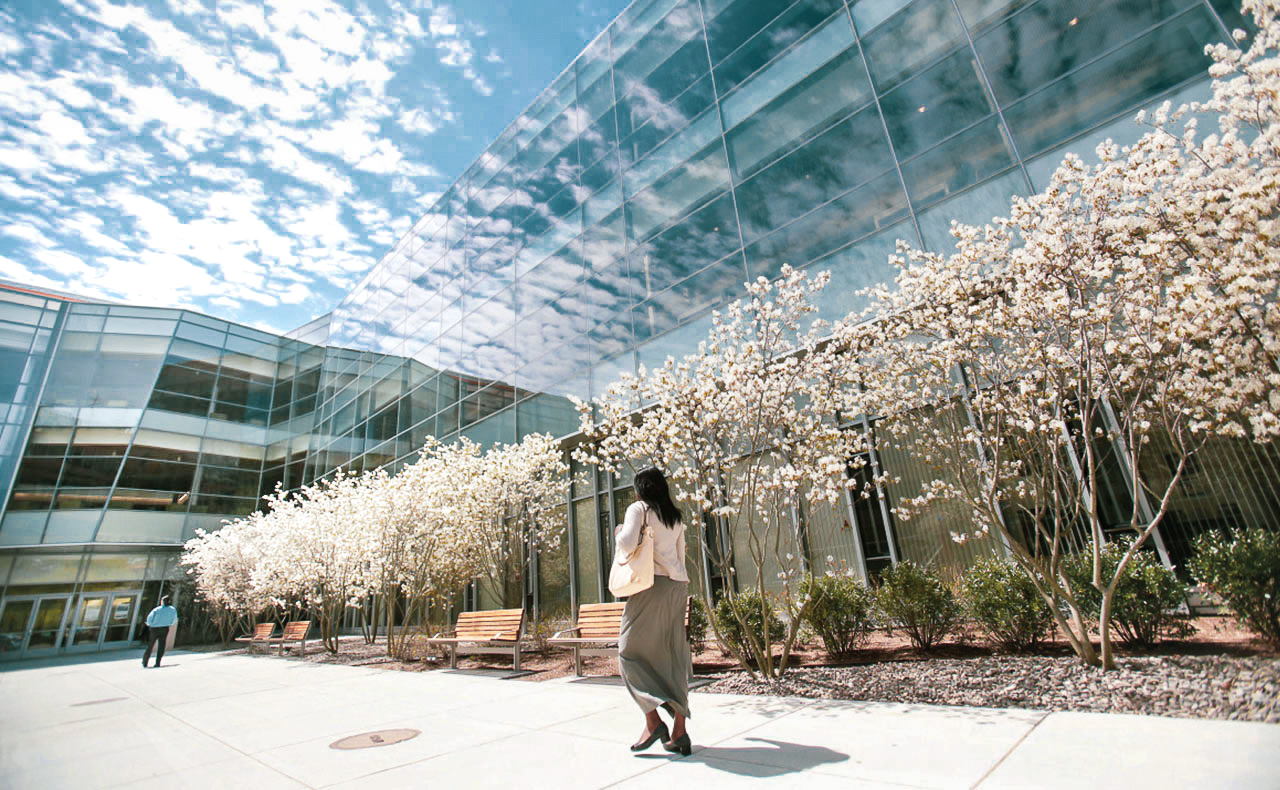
(453, 656)
(577, 661)
(515, 658)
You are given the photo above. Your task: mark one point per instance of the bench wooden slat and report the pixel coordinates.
(597, 630)
(261, 632)
(295, 631)
(484, 632)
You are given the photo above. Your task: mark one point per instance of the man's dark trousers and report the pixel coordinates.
(155, 636)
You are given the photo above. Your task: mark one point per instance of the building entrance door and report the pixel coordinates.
(104, 620)
(32, 626)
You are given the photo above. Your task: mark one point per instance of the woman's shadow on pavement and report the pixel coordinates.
(776, 759)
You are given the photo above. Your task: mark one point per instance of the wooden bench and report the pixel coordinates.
(597, 631)
(496, 631)
(261, 635)
(293, 632)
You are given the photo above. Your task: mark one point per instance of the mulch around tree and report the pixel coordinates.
(1217, 671)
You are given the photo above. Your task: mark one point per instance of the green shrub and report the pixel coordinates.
(698, 625)
(1003, 599)
(748, 606)
(840, 611)
(915, 599)
(1146, 595)
(1244, 570)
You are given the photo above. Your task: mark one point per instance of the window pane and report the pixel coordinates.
(858, 266)
(713, 285)
(679, 192)
(668, 58)
(588, 556)
(186, 381)
(901, 46)
(646, 120)
(974, 207)
(228, 482)
(158, 475)
(762, 87)
(963, 160)
(547, 414)
(850, 153)
(90, 471)
(868, 208)
(707, 236)
(672, 154)
(935, 105)
(829, 93)
(1120, 81)
(777, 35)
(1053, 37)
(179, 403)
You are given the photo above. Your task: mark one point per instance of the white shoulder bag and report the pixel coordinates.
(633, 572)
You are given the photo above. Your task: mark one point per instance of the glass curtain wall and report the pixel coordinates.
(698, 143)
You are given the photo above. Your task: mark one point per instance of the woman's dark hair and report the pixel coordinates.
(651, 487)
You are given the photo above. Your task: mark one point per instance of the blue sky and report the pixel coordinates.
(250, 160)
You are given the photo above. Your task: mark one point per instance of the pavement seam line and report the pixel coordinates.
(206, 734)
(1010, 751)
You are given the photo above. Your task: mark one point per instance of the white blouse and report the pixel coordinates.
(668, 542)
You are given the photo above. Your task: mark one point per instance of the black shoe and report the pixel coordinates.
(659, 733)
(682, 745)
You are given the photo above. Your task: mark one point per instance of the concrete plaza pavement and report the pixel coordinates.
(209, 720)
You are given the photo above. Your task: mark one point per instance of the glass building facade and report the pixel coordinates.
(692, 146)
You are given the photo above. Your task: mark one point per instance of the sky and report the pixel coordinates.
(251, 160)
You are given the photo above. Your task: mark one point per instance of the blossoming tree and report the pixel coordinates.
(744, 431)
(521, 489)
(426, 548)
(222, 564)
(1129, 309)
(315, 553)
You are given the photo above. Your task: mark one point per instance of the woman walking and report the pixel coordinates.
(653, 653)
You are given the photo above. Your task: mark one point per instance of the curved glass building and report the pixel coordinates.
(692, 146)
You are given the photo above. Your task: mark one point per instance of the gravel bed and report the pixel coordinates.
(1207, 687)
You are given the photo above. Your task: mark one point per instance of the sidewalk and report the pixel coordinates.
(206, 720)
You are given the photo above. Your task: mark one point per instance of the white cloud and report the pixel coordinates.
(10, 44)
(213, 162)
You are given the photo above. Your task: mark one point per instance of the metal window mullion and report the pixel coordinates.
(571, 545)
(893, 151)
(965, 398)
(1132, 480)
(986, 85)
(882, 496)
(626, 251)
(859, 552)
(55, 342)
(724, 144)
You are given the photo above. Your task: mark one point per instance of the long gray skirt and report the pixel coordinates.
(653, 653)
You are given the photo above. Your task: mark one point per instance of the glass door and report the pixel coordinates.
(46, 627)
(14, 620)
(120, 614)
(104, 620)
(32, 627)
(88, 623)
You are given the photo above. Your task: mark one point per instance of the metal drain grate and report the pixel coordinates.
(368, 740)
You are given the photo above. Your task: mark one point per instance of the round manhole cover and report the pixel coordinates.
(368, 740)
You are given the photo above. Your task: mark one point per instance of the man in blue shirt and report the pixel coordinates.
(159, 621)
